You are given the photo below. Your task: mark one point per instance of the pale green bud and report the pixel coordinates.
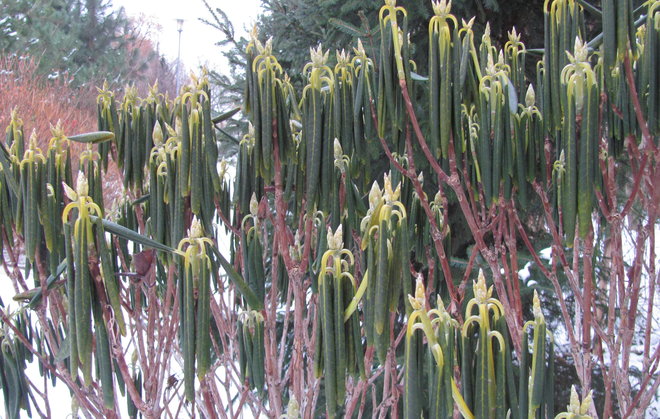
(530, 96)
(82, 186)
(375, 195)
(538, 314)
(196, 230)
(158, 134)
(480, 289)
(441, 7)
(339, 153)
(336, 240)
(254, 205)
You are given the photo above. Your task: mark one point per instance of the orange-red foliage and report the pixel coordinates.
(42, 102)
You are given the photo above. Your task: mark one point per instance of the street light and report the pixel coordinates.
(179, 28)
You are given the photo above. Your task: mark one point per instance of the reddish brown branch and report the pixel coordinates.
(454, 182)
(630, 80)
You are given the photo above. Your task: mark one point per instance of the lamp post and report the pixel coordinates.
(179, 28)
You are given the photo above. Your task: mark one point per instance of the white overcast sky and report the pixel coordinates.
(197, 39)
